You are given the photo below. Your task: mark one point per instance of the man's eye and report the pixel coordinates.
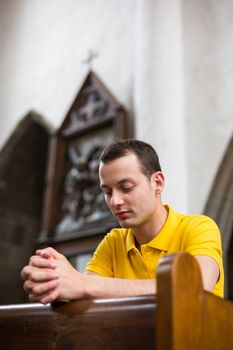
(127, 189)
(107, 193)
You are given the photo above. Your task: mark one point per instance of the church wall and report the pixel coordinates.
(43, 46)
(208, 71)
(169, 62)
(158, 91)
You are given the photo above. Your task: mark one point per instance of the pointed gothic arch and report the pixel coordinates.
(220, 207)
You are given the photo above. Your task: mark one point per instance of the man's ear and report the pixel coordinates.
(158, 182)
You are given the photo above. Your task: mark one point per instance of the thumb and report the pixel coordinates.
(48, 253)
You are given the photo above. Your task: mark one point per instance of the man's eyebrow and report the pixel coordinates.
(122, 181)
(126, 179)
(102, 186)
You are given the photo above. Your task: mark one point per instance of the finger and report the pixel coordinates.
(25, 273)
(46, 298)
(33, 297)
(39, 288)
(48, 253)
(50, 297)
(43, 275)
(39, 252)
(37, 261)
(44, 288)
(27, 286)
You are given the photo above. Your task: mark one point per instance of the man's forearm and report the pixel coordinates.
(104, 287)
(49, 276)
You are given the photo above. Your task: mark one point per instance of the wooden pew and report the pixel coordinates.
(111, 324)
(181, 317)
(189, 318)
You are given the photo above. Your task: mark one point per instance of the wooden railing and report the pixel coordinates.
(181, 317)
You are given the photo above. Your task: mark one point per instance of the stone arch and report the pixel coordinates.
(22, 172)
(219, 206)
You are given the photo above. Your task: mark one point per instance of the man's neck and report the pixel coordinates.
(145, 233)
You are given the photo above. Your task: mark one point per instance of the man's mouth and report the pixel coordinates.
(122, 214)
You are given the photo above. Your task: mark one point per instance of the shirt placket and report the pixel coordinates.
(140, 264)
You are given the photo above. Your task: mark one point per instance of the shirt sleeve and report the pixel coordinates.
(204, 238)
(101, 261)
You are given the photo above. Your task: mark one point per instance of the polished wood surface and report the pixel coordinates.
(121, 323)
(181, 317)
(189, 318)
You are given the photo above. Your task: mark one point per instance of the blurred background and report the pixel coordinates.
(168, 62)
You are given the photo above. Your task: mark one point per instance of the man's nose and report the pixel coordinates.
(116, 200)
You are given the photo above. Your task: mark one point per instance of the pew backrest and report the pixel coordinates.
(182, 316)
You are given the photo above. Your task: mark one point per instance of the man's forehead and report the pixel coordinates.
(124, 160)
(119, 173)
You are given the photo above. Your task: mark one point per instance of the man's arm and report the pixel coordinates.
(49, 276)
(209, 271)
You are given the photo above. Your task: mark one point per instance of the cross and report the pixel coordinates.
(91, 55)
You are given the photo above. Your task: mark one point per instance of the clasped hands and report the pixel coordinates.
(49, 276)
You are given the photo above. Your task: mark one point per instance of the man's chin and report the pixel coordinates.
(125, 223)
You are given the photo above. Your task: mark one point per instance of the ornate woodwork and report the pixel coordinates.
(74, 206)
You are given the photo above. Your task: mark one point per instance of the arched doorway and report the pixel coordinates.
(220, 207)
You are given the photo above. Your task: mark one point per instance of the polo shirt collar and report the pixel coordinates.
(162, 240)
(130, 241)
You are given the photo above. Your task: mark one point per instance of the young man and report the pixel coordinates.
(125, 262)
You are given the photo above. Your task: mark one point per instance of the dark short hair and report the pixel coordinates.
(147, 156)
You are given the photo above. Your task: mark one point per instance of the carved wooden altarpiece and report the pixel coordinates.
(75, 216)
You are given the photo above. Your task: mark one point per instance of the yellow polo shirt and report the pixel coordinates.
(117, 256)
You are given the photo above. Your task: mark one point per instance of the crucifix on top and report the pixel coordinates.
(91, 56)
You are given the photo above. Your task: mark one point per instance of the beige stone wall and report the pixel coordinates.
(170, 62)
(43, 46)
(208, 71)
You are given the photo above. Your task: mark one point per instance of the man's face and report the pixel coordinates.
(129, 194)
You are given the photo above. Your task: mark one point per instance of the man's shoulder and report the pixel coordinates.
(199, 223)
(199, 219)
(194, 220)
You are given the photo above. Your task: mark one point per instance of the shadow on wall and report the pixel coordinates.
(220, 207)
(22, 175)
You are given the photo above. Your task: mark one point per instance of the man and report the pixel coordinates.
(124, 263)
